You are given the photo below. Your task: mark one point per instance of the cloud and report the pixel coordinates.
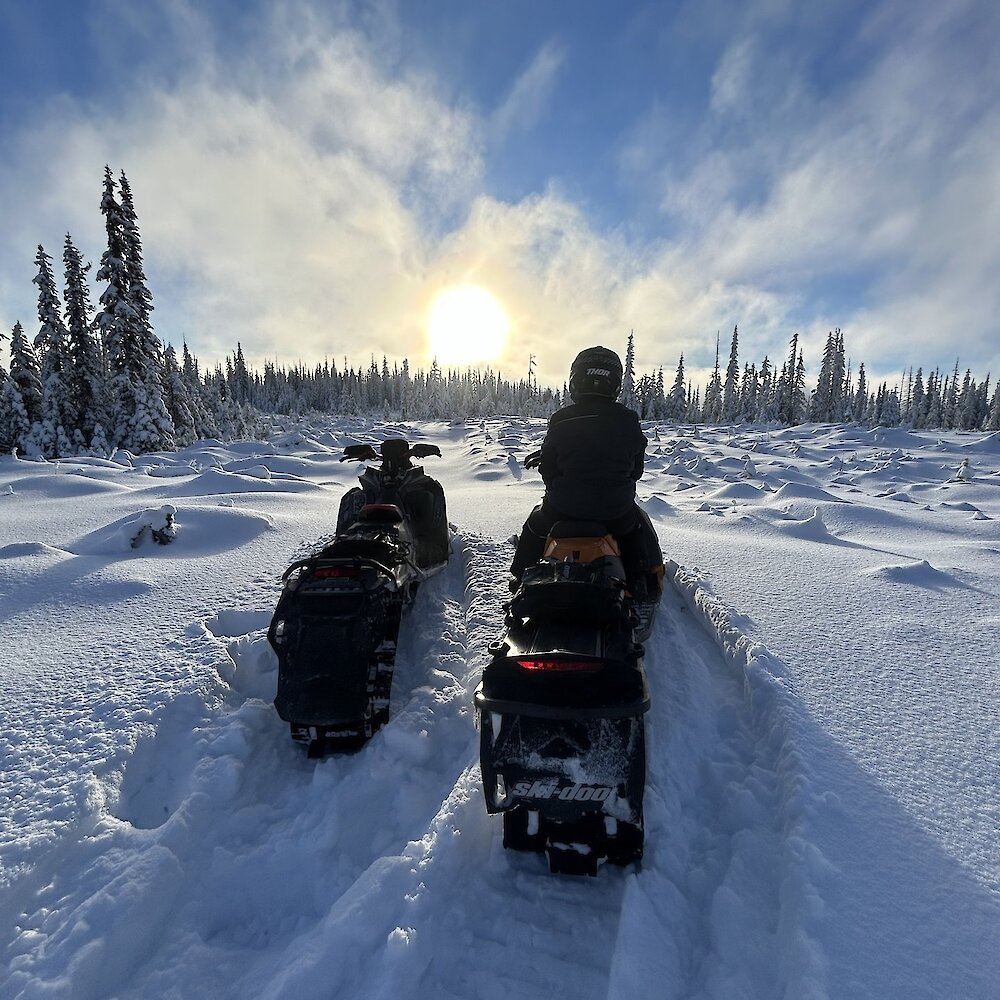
(286, 217)
(884, 178)
(529, 95)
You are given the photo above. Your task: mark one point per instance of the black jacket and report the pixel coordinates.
(592, 456)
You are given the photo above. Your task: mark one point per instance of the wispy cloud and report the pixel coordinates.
(886, 178)
(529, 95)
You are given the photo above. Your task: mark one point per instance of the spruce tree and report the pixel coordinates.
(821, 406)
(58, 418)
(949, 412)
(85, 379)
(712, 409)
(729, 395)
(178, 401)
(150, 426)
(800, 404)
(916, 409)
(117, 321)
(678, 396)
(789, 402)
(993, 421)
(22, 394)
(628, 375)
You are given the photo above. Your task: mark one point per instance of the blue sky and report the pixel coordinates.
(309, 175)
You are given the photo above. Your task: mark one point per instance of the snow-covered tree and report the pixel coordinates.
(993, 421)
(150, 425)
(677, 407)
(628, 397)
(139, 417)
(730, 399)
(178, 400)
(22, 394)
(85, 378)
(58, 417)
(793, 389)
(117, 320)
(712, 409)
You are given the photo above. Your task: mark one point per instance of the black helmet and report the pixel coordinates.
(597, 371)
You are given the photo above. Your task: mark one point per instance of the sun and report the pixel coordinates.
(466, 324)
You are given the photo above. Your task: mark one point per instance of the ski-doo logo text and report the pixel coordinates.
(551, 790)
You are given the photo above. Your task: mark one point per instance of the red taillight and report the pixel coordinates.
(327, 571)
(551, 663)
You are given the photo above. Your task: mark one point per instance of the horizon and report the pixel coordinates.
(309, 181)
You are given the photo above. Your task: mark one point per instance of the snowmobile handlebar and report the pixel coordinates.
(398, 449)
(533, 460)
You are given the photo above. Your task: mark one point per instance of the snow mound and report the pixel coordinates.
(915, 574)
(657, 506)
(59, 486)
(738, 491)
(169, 471)
(803, 491)
(19, 550)
(252, 670)
(987, 445)
(291, 466)
(217, 482)
(813, 528)
(959, 505)
(201, 531)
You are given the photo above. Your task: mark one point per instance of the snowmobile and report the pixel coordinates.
(337, 621)
(561, 705)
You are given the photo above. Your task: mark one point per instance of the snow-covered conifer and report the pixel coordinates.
(993, 421)
(628, 397)
(85, 377)
(178, 400)
(59, 417)
(729, 395)
(117, 320)
(712, 409)
(22, 394)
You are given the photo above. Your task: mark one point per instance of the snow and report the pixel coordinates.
(823, 797)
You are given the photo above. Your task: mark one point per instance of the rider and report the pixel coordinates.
(591, 459)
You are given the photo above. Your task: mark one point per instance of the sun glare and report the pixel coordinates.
(466, 324)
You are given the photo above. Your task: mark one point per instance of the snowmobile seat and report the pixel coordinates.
(578, 529)
(383, 513)
(590, 591)
(377, 547)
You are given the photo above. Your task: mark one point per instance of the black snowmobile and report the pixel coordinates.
(337, 621)
(561, 705)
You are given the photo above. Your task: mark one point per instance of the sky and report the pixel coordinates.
(310, 176)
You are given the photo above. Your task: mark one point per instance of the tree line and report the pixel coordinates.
(91, 381)
(765, 394)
